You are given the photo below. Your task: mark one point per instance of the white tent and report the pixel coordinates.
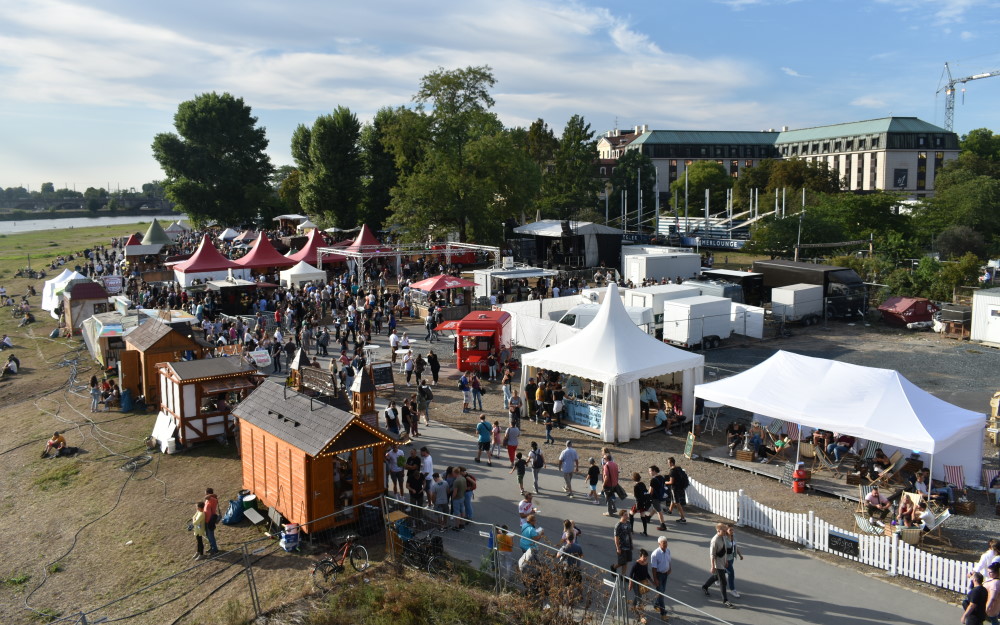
(614, 351)
(305, 225)
(53, 289)
(49, 299)
(870, 403)
(303, 272)
(228, 234)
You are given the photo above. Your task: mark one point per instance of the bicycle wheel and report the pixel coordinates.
(324, 574)
(440, 566)
(359, 558)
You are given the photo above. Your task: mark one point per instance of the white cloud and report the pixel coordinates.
(791, 72)
(942, 11)
(871, 102)
(967, 36)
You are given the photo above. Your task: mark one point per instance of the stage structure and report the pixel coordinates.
(358, 256)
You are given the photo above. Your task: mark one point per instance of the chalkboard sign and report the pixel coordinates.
(382, 376)
(845, 544)
(318, 380)
(689, 446)
(786, 475)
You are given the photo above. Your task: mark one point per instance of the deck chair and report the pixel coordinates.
(861, 461)
(955, 476)
(988, 476)
(934, 529)
(824, 463)
(807, 452)
(863, 491)
(773, 431)
(896, 461)
(866, 527)
(793, 432)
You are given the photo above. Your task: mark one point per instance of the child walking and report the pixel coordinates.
(548, 429)
(593, 477)
(520, 465)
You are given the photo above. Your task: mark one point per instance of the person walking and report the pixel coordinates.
(198, 527)
(434, 365)
(975, 602)
(547, 420)
(569, 465)
(520, 465)
(658, 492)
(514, 407)
(677, 481)
(424, 397)
(537, 461)
(485, 437)
(717, 563)
(511, 438)
(642, 503)
(623, 542)
(505, 383)
(593, 478)
(732, 552)
(211, 520)
(497, 445)
(394, 460)
(639, 579)
(477, 392)
(660, 567)
(609, 474)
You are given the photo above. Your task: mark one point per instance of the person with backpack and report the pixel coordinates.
(641, 505)
(537, 461)
(424, 397)
(484, 434)
(470, 488)
(659, 493)
(678, 482)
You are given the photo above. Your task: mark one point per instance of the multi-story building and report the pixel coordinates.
(890, 153)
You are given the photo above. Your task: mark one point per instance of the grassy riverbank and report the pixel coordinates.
(44, 245)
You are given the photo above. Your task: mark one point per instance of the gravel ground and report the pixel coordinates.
(958, 372)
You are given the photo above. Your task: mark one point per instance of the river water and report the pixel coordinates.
(32, 225)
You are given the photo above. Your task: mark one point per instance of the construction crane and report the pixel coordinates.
(949, 93)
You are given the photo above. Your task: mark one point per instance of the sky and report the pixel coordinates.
(85, 86)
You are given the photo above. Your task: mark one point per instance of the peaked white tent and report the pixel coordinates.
(302, 272)
(870, 403)
(614, 351)
(228, 234)
(53, 289)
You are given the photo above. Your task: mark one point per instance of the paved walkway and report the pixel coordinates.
(779, 584)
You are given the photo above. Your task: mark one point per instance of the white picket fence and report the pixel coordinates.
(883, 552)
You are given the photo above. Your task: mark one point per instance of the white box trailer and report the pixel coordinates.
(986, 316)
(747, 320)
(654, 296)
(658, 266)
(798, 302)
(692, 321)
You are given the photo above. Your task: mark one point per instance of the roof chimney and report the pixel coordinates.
(784, 129)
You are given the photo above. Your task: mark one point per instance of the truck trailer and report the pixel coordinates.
(659, 266)
(654, 296)
(692, 321)
(844, 292)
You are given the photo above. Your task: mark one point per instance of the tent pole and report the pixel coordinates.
(798, 446)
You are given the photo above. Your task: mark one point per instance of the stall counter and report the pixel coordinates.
(582, 413)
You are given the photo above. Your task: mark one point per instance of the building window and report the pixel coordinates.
(849, 145)
(603, 171)
(719, 161)
(734, 168)
(815, 148)
(938, 142)
(748, 164)
(873, 171)
(795, 150)
(836, 146)
(921, 170)
(922, 143)
(861, 144)
(826, 147)
(719, 151)
(734, 152)
(748, 151)
(874, 143)
(704, 151)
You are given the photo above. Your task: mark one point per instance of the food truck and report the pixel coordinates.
(478, 334)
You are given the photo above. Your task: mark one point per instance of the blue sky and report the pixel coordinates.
(86, 85)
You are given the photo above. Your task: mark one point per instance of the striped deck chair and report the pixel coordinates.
(988, 476)
(955, 475)
(896, 461)
(863, 492)
(934, 529)
(866, 526)
(793, 432)
(825, 463)
(863, 461)
(774, 429)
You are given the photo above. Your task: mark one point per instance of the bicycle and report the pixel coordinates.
(324, 572)
(425, 554)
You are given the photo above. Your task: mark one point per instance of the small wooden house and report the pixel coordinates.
(151, 343)
(198, 395)
(82, 301)
(309, 460)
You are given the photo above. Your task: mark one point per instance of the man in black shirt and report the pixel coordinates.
(529, 397)
(975, 602)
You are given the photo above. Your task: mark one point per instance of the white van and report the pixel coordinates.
(580, 316)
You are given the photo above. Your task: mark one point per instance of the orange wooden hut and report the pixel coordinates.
(309, 460)
(151, 343)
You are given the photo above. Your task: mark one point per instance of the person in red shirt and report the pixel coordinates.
(211, 519)
(609, 473)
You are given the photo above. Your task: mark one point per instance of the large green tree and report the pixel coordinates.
(379, 166)
(459, 171)
(570, 186)
(634, 170)
(216, 166)
(328, 157)
(702, 175)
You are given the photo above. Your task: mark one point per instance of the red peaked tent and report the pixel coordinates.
(205, 258)
(133, 240)
(308, 252)
(364, 242)
(263, 255)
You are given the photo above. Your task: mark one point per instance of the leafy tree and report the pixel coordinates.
(455, 164)
(15, 193)
(703, 175)
(625, 181)
(289, 187)
(216, 164)
(957, 241)
(113, 204)
(379, 166)
(48, 188)
(982, 143)
(799, 174)
(775, 236)
(540, 143)
(757, 177)
(862, 215)
(571, 186)
(153, 190)
(330, 167)
(973, 202)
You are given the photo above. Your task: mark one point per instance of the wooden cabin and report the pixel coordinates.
(198, 395)
(309, 460)
(82, 301)
(151, 343)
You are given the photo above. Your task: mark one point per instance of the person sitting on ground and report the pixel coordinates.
(11, 366)
(57, 442)
(877, 505)
(6, 343)
(736, 434)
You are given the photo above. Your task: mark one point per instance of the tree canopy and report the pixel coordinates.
(328, 157)
(634, 170)
(215, 164)
(571, 185)
(702, 175)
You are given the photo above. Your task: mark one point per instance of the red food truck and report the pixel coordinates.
(478, 334)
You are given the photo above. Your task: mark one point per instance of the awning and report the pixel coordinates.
(224, 386)
(447, 325)
(476, 332)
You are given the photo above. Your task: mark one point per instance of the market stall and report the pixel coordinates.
(449, 295)
(302, 272)
(207, 264)
(604, 366)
